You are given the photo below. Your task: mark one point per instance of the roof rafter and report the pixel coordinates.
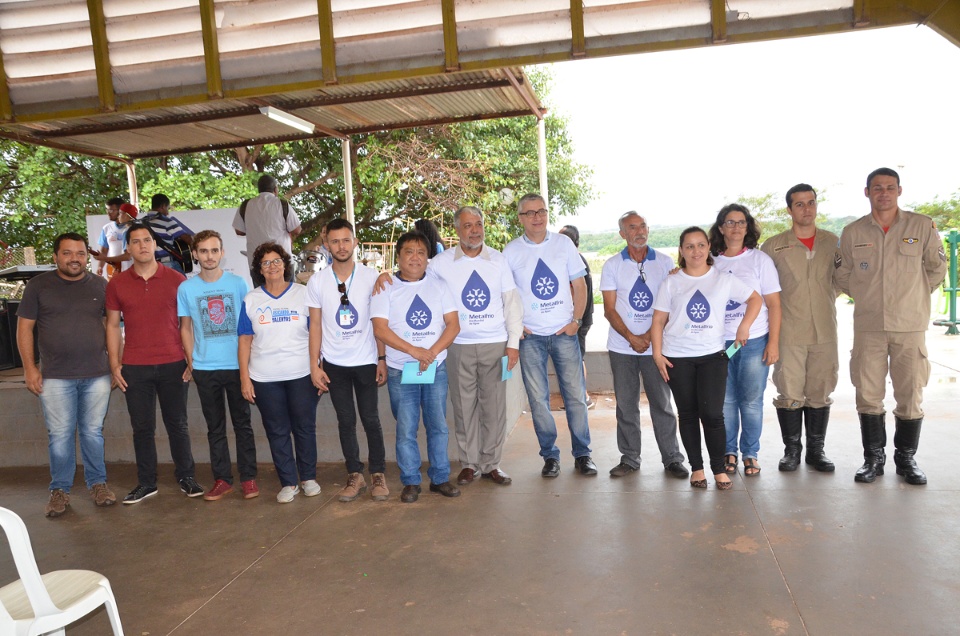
(101, 55)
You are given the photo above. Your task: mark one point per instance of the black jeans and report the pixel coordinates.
(212, 386)
(698, 386)
(145, 385)
(362, 380)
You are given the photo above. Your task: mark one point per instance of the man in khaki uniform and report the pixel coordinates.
(806, 373)
(889, 262)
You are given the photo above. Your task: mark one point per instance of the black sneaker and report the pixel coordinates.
(190, 487)
(138, 494)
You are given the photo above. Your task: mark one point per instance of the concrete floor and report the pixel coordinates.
(780, 554)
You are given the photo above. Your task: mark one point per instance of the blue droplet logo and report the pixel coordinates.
(419, 315)
(731, 305)
(476, 295)
(641, 298)
(544, 284)
(343, 320)
(698, 309)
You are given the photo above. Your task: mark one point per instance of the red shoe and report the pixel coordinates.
(220, 488)
(250, 489)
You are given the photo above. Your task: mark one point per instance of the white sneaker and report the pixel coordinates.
(287, 493)
(310, 487)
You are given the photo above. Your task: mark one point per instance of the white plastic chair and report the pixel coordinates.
(46, 604)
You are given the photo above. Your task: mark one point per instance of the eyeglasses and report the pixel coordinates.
(266, 264)
(732, 223)
(342, 288)
(533, 213)
(643, 274)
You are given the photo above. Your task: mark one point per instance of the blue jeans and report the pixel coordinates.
(565, 352)
(71, 407)
(743, 401)
(289, 407)
(407, 401)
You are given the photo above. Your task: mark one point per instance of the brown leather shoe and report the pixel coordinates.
(446, 489)
(498, 477)
(466, 476)
(410, 493)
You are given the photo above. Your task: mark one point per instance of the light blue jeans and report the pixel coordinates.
(743, 401)
(71, 407)
(407, 401)
(565, 352)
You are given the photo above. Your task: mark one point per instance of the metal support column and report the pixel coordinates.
(132, 182)
(347, 180)
(952, 241)
(542, 156)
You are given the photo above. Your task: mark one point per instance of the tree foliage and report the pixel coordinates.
(946, 213)
(398, 176)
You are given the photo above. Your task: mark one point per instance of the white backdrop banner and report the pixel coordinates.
(220, 220)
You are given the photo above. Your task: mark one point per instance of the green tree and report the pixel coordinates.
(946, 213)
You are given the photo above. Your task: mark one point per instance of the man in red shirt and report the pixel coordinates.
(153, 364)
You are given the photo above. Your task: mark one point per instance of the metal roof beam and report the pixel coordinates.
(6, 106)
(451, 51)
(718, 20)
(578, 47)
(328, 50)
(101, 55)
(535, 109)
(211, 48)
(946, 21)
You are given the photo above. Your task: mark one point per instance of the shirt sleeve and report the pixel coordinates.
(313, 292)
(739, 290)
(380, 305)
(112, 301)
(103, 238)
(661, 301)
(180, 229)
(447, 300)
(293, 221)
(238, 223)
(608, 275)
(244, 326)
(769, 278)
(183, 303)
(934, 258)
(30, 303)
(575, 266)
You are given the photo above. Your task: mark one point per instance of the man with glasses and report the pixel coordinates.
(807, 371)
(629, 282)
(353, 361)
(549, 274)
(889, 262)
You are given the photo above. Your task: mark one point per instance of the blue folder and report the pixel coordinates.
(505, 373)
(413, 375)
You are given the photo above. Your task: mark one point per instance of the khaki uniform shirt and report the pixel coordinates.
(807, 294)
(890, 276)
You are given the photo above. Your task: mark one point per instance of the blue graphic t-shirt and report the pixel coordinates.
(696, 305)
(214, 309)
(414, 311)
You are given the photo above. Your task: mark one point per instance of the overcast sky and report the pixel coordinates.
(678, 134)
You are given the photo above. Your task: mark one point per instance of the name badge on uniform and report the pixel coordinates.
(346, 317)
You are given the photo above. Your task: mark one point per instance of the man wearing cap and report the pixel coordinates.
(112, 238)
(889, 262)
(629, 282)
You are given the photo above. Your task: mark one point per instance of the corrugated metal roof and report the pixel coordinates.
(140, 77)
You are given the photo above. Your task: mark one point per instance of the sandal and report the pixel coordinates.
(724, 485)
(750, 469)
(731, 467)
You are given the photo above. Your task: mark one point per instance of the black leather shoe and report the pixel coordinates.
(551, 468)
(622, 469)
(585, 465)
(410, 493)
(677, 470)
(446, 489)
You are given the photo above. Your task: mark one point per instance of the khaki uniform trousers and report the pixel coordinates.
(806, 375)
(904, 354)
(479, 400)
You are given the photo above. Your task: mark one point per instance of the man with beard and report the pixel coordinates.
(73, 380)
(353, 360)
(208, 305)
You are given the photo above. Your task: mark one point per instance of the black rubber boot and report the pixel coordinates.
(791, 425)
(906, 440)
(873, 433)
(816, 423)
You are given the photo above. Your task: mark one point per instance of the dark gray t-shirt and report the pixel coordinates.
(69, 315)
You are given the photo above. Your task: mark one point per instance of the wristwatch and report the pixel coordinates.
(578, 321)
(381, 357)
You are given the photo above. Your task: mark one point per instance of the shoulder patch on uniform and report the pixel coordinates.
(781, 248)
(858, 245)
(837, 260)
(910, 240)
(942, 254)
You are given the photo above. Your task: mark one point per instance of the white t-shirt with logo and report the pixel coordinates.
(477, 285)
(281, 333)
(414, 311)
(634, 296)
(757, 270)
(696, 305)
(112, 239)
(348, 339)
(542, 273)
